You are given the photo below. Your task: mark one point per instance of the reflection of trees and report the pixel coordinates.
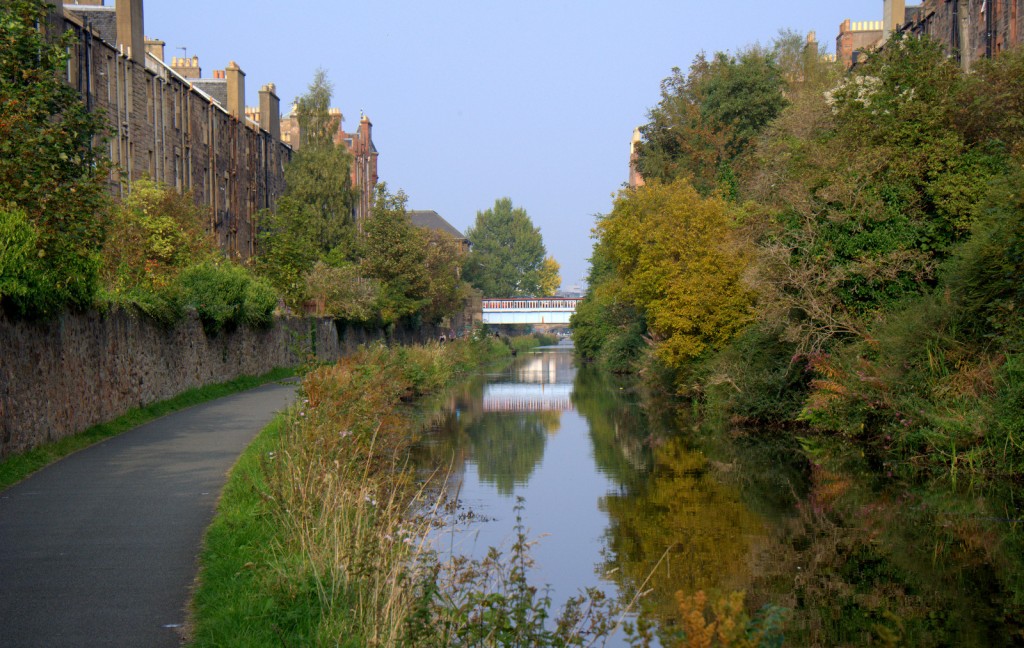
(505, 446)
(683, 510)
(618, 426)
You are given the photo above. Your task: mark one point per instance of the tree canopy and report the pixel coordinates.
(507, 257)
(52, 196)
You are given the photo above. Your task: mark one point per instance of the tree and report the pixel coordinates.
(508, 252)
(550, 280)
(679, 264)
(395, 254)
(319, 174)
(50, 171)
(708, 117)
(313, 219)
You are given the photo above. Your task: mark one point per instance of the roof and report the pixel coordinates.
(432, 220)
(216, 88)
(102, 19)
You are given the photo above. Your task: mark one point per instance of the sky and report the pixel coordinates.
(475, 100)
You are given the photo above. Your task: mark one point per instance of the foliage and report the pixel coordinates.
(319, 172)
(226, 295)
(153, 235)
(342, 292)
(17, 247)
(288, 249)
(606, 327)
(447, 292)
(50, 169)
(313, 219)
(679, 264)
(708, 117)
(395, 254)
(549, 280)
(507, 257)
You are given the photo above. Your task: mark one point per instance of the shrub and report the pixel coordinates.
(227, 295)
(17, 246)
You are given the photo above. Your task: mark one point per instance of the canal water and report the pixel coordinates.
(821, 543)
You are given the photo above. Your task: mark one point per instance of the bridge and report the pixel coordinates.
(529, 310)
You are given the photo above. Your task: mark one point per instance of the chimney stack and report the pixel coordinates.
(894, 15)
(187, 67)
(236, 90)
(130, 36)
(270, 111)
(812, 44)
(155, 47)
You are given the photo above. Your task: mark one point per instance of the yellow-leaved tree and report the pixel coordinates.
(680, 264)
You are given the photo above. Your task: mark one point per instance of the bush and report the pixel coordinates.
(17, 247)
(227, 295)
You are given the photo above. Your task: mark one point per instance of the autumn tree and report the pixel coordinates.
(507, 258)
(52, 198)
(679, 264)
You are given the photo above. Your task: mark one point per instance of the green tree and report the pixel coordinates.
(395, 254)
(319, 174)
(313, 218)
(508, 252)
(50, 169)
(708, 117)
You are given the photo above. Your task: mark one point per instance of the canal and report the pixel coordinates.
(825, 548)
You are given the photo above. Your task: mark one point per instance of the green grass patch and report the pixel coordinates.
(17, 467)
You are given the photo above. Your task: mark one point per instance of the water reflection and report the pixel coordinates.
(632, 502)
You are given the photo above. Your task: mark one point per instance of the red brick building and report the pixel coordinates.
(167, 123)
(969, 29)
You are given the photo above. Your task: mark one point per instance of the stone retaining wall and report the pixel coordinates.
(62, 377)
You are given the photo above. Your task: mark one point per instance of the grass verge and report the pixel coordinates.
(17, 467)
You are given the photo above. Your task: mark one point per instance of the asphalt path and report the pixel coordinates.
(100, 548)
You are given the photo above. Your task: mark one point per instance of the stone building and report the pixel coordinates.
(168, 123)
(969, 29)
(359, 144)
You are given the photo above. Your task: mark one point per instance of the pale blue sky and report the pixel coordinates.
(475, 100)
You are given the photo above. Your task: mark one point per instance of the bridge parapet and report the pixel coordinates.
(529, 310)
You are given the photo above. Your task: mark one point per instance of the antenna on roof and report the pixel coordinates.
(185, 51)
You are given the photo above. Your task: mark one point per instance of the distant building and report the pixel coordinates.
(431, 220)
(168, 123)
(364, 156)
(635, 179)
(969, 29)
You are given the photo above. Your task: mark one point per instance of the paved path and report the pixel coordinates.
(100, 548)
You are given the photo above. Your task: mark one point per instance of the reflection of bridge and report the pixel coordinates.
(529, 310)
(518, 397)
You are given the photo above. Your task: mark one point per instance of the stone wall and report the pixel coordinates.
(60, 378)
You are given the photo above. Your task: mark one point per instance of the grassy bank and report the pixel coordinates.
(321, 534)
(17, 467)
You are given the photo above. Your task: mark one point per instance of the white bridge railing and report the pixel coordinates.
(529, 310)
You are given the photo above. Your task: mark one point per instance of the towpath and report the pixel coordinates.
(100, 548)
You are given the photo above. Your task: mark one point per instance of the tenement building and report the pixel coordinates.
(969, 29)
(168, 123)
